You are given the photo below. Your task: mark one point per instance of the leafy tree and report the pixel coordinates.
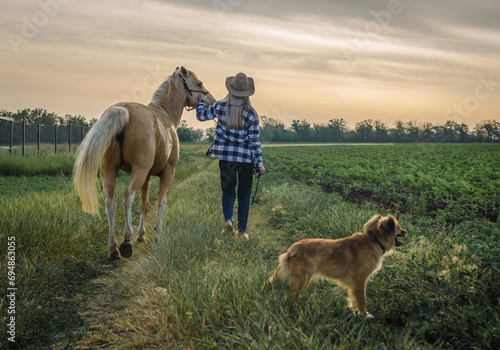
(74, 120)
(450, 131)
(5, 113)
(426, 131)
(303, 130)
(337, 128)
(321, 133)
(273, 130)
(439, 133)
(412, 131)
(487, 131)
(187, 133)
(381, 131)
(92, 122)
(34, 116)
(463, 132)
(399, 131)
(364, 129)
(210, 133)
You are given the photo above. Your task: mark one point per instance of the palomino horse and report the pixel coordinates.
(141, 140)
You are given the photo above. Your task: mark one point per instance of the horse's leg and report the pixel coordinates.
(165, 180)
(144, 210)
(137, 181)
(109, 178)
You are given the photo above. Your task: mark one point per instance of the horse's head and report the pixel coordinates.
(194, 88)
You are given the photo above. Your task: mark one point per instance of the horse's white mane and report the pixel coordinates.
(164, 88)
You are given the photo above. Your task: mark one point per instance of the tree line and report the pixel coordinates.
(335, 130)
(39, 115)
(42, 125)
(369, 130)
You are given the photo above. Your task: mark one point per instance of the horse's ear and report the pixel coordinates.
(184, 71)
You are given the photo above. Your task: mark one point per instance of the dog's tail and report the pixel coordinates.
(281, 272)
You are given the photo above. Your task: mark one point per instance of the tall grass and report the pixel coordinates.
(45, 164)
(59, 249)
(55, 242)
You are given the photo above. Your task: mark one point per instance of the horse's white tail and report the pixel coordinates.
(281, 272)
(89, 155)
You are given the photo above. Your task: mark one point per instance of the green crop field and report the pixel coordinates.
(464, 178)
(192, 287)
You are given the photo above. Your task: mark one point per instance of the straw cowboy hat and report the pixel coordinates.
(240, 85)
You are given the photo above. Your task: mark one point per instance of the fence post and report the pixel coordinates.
(24, 134)
(38, 142)
(55, 138)
(11, 136)
(69, 132)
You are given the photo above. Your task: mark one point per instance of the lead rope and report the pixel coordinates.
(257, 186)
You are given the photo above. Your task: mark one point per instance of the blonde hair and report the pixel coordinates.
(234, 111)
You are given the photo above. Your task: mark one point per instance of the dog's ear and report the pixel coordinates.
(372, 224)
(389, 225)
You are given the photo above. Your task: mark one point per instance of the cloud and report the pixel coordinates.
(411, 59)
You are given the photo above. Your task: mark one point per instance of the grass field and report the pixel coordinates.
(192, 287)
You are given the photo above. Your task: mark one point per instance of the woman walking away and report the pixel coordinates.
(237, 147)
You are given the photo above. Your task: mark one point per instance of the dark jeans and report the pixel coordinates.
(230, 174)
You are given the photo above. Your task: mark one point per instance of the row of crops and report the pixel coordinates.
(463, 179)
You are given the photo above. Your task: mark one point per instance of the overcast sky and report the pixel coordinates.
(424, 60)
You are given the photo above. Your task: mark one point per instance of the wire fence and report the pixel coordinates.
(21, 138)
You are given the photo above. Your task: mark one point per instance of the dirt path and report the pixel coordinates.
(99, 313)
(105, 309)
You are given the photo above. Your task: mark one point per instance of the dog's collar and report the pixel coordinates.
(379, 244)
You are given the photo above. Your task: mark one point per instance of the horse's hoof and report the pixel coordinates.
(126, 249)
(114, 256)
(140, 240)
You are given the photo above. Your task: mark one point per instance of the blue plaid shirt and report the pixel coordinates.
(233, 145)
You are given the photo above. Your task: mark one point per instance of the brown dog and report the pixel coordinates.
(348, 261)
